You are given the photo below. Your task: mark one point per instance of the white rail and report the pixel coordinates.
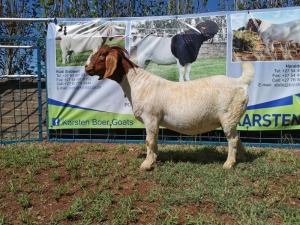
(25, 19)
(19, 46)
(19, 76)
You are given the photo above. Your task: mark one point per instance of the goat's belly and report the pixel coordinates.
(190, 128)
(163, 60)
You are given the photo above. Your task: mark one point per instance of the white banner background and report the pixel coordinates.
(76, 100)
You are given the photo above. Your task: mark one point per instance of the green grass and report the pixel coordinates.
(102, 184)
(203, 67)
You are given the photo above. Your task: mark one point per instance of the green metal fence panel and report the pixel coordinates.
(21, 97)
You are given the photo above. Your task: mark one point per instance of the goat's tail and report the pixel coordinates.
(248, 73)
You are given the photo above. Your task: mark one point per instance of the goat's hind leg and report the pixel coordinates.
(151, 144)
(69, 60)
(233, 144)
(241, 151)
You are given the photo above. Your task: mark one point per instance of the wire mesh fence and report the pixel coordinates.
(280, 138)
(20, 89)
(20, 110)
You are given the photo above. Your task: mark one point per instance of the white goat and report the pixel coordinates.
(77, 44)
(269, 32)
(192, 107)
(81, 38)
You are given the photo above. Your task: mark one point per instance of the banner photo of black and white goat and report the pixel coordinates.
(180, 49)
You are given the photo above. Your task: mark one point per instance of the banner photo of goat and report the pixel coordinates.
(179, 49)
(266, 36)
(81, 39)
(70, 43)
(189, 46)
(271, 39)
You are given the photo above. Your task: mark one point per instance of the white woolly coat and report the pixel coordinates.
(191, 107)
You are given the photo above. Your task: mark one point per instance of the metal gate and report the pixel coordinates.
(21, 98)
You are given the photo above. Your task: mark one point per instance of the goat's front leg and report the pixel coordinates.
(64, 56)
(151, 144)
(269, 45)
(187, 71)
(181, 71)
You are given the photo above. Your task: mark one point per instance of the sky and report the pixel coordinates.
(273, 16)
(212, 6)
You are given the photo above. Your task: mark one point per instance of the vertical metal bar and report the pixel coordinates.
(1, 126)
(20, 116)
(40, 110)
(260, 138)
(47, 121)
(27, 114)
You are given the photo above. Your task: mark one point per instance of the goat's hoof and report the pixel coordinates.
(228, 165)
(146, 166)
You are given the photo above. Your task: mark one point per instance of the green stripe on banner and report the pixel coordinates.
(72, 118)
(274, 118)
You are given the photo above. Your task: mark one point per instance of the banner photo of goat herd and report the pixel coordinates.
(179, 49)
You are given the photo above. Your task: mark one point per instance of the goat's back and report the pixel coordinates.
(80, 43)
(156, 49)
(202, 105)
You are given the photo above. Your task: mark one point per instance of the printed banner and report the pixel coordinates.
(218, 43)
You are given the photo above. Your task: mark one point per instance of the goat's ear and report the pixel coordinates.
(258, 22)
(111, 62)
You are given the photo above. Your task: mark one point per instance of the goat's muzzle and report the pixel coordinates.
(90, 70)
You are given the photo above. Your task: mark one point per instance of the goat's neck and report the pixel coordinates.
(265, 25)
(126, 88)
(137, 81)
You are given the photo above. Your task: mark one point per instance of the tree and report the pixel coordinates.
(13, 62)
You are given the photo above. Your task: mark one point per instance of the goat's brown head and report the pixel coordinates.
(253, 25)
(109, 62)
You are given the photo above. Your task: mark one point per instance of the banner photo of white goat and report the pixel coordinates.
(180, 49)
(76, 100)
(81, 39)
(271, 40)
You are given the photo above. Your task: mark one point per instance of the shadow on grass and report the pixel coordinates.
(201, 155)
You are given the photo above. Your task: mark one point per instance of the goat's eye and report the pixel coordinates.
(102, 56)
